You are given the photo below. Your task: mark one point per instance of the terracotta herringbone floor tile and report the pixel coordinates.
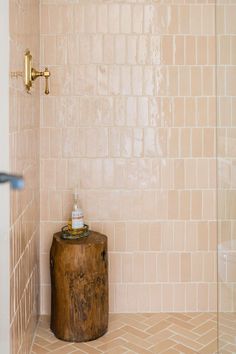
(86, 348)
(210, 348)
(194, 345)
(144, 334)
(208, 337)
(227, 325)
(139, 341)
(183, 349)
(160, 336)
(163, 346)
(203, 328)
(171, 351)
(184, 332)
(158, 327)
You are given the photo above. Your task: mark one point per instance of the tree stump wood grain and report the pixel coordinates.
(79, 279)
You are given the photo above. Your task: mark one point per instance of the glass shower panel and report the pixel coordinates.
(226, 172)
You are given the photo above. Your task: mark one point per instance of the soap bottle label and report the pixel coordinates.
(77, 219)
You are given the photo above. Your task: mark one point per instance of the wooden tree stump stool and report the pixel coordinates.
(79, 278)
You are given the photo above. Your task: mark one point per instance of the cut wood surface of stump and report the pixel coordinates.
(79, 279)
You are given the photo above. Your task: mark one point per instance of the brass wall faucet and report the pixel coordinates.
(31, 74)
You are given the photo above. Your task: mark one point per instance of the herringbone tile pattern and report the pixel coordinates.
(140, 333)
(227, 330)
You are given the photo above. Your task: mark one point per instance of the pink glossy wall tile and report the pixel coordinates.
(131, 120)
(226, 167)
(24, 159)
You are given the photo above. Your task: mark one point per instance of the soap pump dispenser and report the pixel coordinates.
(77, 216)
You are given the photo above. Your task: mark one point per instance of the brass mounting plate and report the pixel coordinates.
(28, 70)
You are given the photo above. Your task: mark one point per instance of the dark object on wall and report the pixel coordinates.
(79, 278)
(16, 182)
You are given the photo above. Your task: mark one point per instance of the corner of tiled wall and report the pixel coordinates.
(24, 159)
(226, 112)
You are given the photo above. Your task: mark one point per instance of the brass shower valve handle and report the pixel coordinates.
(31, 74)
(45, 73)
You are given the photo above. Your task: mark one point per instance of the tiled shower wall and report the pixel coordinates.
(226, 142)
(131, 120)
(226, 137)
(24, 159)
